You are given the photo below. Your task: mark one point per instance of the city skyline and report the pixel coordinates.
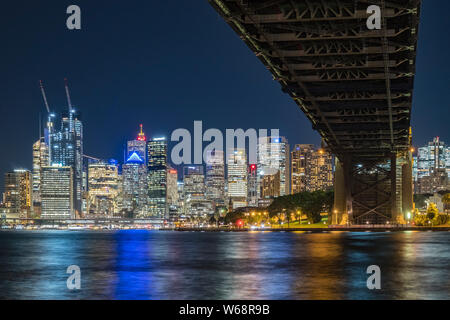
(142, 92)
(65, 184)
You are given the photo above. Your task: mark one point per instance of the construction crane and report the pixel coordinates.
(92, 158)
(69, 102)
(44, 96)
(67, 94)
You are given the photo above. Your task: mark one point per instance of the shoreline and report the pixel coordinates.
(309, 230)
(346, 229)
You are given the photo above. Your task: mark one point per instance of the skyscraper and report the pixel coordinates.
(433, 157)
(215, 177)
(312, 169)
(157, 177)
(431, 169)
(139, 145)
(237, 178)
(194, 193)
(18, 193)
(57, 192)
(103, 185)
(172, 186)
(172, 193)
(270, 184)
(134, 176)
(67, 150)
(299, 157)
(252, 186)
(273, 152)
(40, 159)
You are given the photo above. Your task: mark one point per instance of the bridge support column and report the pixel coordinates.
(342, 193)
(340, 198)
(407, 187)
(393, 191)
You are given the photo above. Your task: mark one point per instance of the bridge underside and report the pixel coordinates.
(354, 84)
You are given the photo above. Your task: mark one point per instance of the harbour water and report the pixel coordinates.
(133, 264)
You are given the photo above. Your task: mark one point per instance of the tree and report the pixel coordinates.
(440, 219)
(310, 203)
(420, 220)
(432, 211)
(446, 200)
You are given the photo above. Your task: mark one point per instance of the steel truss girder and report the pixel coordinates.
(355, 95)
(330, 49)
(324, 32)
(319, 52)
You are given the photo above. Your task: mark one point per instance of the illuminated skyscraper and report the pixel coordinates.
(270, 184)
(237, 178)
(273, 152)
(67, 150)
(312, 169)
(173, 196)
(40, 159)
(215, 177)
(434, 156)
(252, 186)
(134, 176)
(57, 193)
(195, 202)
(139, 145)
(103, 185)
(157, 177)
(300, 156)
(172, 187)
(18, 193)
(431, 170)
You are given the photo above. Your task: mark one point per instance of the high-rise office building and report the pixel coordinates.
(134, 182)
(194, 192)
(18, 193)
(433, 157)
(172, 187)
(312, 168)
(67, 151)
(431, 167)
(181, 208)
(40, 159)
(237, 178)
(252, 186)
(299, 157)
(270, 184)
(139, 145)
(57, 192)
(215, 177)
(103, 186)
(273, 152)
(172, 194)
(157, 178)
(134, 177)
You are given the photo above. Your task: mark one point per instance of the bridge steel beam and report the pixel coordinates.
(355, 85)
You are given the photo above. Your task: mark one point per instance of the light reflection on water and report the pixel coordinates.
(258, 265)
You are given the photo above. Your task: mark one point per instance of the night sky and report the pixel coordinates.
(165, 64)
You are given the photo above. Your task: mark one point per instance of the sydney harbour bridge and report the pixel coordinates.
(355, 85)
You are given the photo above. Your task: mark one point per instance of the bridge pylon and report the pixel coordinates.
(373, 192)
